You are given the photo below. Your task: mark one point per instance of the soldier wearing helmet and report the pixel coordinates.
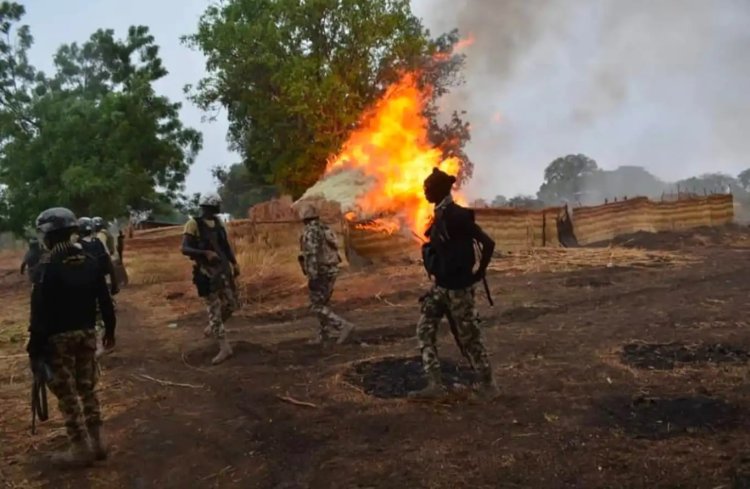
(319, 258)
(103, 235)
(94, 247)
(205, 241)
(68, 287)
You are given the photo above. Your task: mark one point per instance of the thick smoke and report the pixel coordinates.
(661, 84)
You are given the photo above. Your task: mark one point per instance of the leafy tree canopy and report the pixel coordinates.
(564, 178)
(94, 136)
(239, 191)
(296, 76)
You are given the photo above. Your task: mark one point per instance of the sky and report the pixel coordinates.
(656, 83)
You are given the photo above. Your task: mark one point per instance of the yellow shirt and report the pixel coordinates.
(191, 227)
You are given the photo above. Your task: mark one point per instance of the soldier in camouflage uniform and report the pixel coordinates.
(319, 259)
(449, 257)
(97, 249)
(68, 287)
(205, 241)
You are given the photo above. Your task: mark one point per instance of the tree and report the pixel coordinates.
(526, 202)
(711, 183)
(296, 76)
(500, 201)
(238, 191)
(564, 178)
(94, 136)
(744, 179)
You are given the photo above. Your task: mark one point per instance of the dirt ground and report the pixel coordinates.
(612, 376)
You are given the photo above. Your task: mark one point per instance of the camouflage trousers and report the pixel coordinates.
(220, 304)
(460, 309)
(321, 290)
(74, 376)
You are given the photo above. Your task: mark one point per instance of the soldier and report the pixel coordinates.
(320, 260)
(205, 241)
(94, 247)
(449, 258)
(67, 289)
(103, 235)
(31, 258)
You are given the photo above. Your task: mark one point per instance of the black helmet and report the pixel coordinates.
(85, 225)
(98, 223)
(56, 219)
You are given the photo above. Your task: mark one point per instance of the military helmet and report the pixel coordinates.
(56, 219)
(309, 211)
(211, 199)
(85, 225)
(98, 223)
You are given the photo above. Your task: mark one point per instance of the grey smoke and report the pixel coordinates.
(663, 84)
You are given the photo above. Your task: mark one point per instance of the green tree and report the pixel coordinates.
(526, 202)
(744, 179)
(711, 183)
(296, 76)
(564, 178)
(500, 201)
(239, 191)
(94, 136)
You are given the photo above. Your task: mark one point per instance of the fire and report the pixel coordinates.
(465, 43)
(392, 148)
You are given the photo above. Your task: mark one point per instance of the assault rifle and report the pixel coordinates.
(39, 407)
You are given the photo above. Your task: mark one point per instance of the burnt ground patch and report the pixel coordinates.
(666, 356)
(659, 418)
(391, 378)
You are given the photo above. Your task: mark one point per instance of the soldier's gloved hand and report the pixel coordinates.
(114, 289)
(211, 256)
(236, 269)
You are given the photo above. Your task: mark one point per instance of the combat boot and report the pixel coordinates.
(77, 455)
(225, 351)
(98, 447)
(346, 331)
(434, 390)
(486, 389)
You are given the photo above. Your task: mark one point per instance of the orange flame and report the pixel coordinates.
(391, 146)
(465, 43)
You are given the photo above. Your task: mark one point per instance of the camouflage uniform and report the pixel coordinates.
(67, 290)
(320, 261)
(220, 304)
(72, 363)
(460, 308)
(214, 285)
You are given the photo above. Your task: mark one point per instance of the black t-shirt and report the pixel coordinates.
(452, 234)
(67, 289)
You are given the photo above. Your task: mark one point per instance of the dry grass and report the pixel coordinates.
(266, 255)
(569, 259)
